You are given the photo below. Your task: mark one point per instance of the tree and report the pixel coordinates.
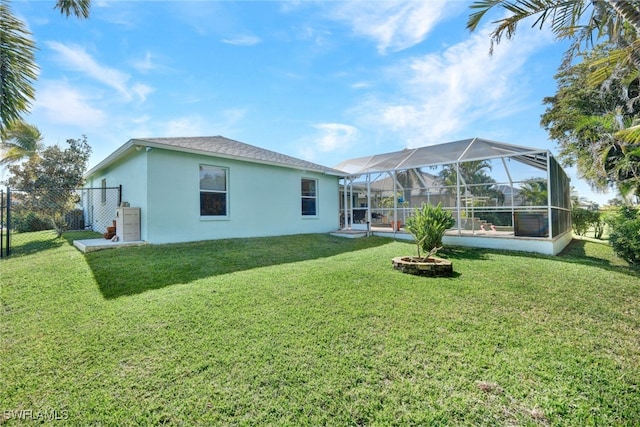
(48, 181)
(584, 219)
(534, 192)
(618, 20)
(473, 177)
(21, 140)
(18, 69)
(586, 122)
(601, 133)
(625, 234)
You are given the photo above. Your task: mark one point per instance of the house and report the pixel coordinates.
(202, 188)
(205, 188)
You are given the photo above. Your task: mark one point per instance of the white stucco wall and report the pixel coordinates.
(544, 246)
(263, 200)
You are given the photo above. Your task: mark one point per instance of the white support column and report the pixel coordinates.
(513, 197)
(368, 202)
(459, 199)
(395, 201)
(549, 195)
(351, 202)
(344, 206)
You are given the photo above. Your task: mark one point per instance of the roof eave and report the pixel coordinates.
(132, 143)
(112, 158)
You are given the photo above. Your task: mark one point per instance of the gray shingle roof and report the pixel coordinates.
(229, 148)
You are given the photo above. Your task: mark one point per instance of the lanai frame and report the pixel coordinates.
(361, 185)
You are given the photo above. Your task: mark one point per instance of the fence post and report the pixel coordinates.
(8, 241)
(1, 223)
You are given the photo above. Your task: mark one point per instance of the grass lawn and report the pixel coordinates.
(318, 330)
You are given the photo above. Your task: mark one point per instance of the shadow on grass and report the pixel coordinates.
(29, 243)
(23, 244)
(466, 253)
(584, 252)
(129, 271)
(588, 253)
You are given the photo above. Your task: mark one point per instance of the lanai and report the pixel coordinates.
(501, 195)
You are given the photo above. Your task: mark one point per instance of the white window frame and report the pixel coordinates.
(225, 192)
(103, 191)
(304, 197)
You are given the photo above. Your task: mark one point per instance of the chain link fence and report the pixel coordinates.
(32, 220)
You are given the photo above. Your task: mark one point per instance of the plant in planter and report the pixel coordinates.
(427, 226)
(392, 203)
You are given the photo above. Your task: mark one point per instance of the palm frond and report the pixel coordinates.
(79, 8)
(18, 68)
(630, 135)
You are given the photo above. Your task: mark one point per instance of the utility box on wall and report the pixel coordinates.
(128, 224)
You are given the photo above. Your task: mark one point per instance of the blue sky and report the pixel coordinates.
(324, 81)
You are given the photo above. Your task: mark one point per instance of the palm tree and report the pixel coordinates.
(20, 140)
(566, 18)
(79, 8)
(616, 150)
(17, 66)
(618, 20)
(18, 69)
(534, 192)
(474, 177)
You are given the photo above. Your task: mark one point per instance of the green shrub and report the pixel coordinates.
(427, 226)
(583, 219)
(625, 234)
(29, 221)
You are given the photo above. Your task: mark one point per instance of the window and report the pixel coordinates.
(103, 194)
(213, 191)
(309, 197)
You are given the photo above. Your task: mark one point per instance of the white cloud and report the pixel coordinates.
(243, 40)
(393, 25)
(330, 137)
(77, 59)
(196, 125)
(141, 91)
(361, 85)
(63, 104)
(334, 136)
(440, 94)
(145, 64)
(183, 126)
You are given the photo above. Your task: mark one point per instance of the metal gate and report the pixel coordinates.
(30, 220)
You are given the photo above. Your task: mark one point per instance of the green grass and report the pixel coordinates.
(317, 330)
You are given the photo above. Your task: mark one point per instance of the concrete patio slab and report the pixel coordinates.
(91, 245)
